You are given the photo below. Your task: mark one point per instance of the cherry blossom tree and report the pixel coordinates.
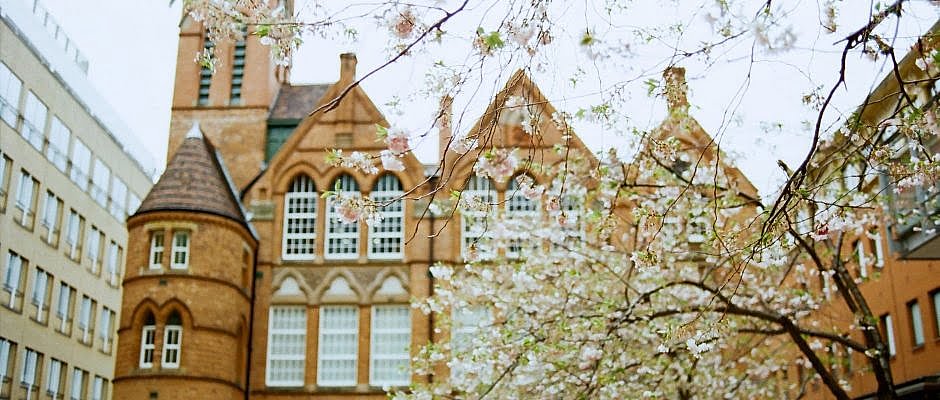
(655, 270)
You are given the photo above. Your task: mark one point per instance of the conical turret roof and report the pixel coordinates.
(195, 180)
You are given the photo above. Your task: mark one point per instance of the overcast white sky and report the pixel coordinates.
(131, 45)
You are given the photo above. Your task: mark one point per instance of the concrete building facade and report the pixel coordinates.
(69, 176)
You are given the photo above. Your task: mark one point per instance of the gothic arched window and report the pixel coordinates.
(386, 236)
(300, 220)
(342, 238)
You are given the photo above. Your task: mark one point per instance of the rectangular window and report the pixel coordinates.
(238, 73)
(287, 345)
(118, 199)
(78, 384)
(386, 236)
(156, 250)
(26, 199)
(13, 280)
(93, 249)
(7, 357)
(64, 308)
(342, 239)
(56, 379)
(86, 318)
(172, 338)
(100, 178)
(338, 346)
(10, 88)
(148, 336)
(81, 164)
(935, 296)
(300, 221)
(862, 260)
(42, 293)
(105, 328)
(180, 250)
(57, 151)
(114, 263)
(51, 218)
(6, 165)
(32, 363)
(391, 343)
(887, 328)
(474, 229)
(205, 75)
(874, 237)
(73, 235)
(34, 121)
(99, 388)
(917, 323)
(468, 322)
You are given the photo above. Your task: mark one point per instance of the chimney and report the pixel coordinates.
(444, 124)
(347, 67)
(676, 89)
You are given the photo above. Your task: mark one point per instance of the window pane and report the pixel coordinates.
(34, 121)
(287, 333)
(386, 236)
(338, 345)
(10, 87)
(81, 162)
(58, 144)
(342, 239)
(917, 324)
(100, 180)
(391, 342)
(300, 220)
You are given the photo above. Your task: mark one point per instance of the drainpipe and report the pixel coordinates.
(251, 323)
(431, 261)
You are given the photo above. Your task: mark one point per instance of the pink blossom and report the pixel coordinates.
(403, 24)
(553, 204)
(498, 164)
(462, 144)
(397, 141)
(349, 210)
(390, 162)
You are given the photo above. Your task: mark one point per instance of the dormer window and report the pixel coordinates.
(180, 250)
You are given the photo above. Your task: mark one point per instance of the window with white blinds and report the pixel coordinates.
(40, 298)
(97, 388)
(57, 151)
(342, 239)
(34, 121)
(7, 354)
(63, 309)
(93, 248)
(287, 344)
(386, 236)
(10, 88)
(118, 199)
(12, 276)
(520, 212)
(104, 331)
(300, 220)
(78, 384)
(473, 227)
(50, 217)
(114, 263)
(86, 317)
(73, 230)
(391, 343)
(81, 164)
(24, 197)
(30, 365)
(338, 346)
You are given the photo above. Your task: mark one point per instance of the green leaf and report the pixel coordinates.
(381, 131)
(493, 40)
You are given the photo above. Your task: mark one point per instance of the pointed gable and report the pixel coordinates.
(195, 180)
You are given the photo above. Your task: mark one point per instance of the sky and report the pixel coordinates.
(131, 45)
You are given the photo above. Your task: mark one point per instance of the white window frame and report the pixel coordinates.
(917, 323)
(278, 316)
(471, 228)
(118, 198)
(389, 233)
(97, 387)
(104, 330)
(100, 179)
(12, 276)
(93, 248)
(73, 232)
(78, 383)
(148, 342)
(889, 333)
(177, 249)
(862, 258)
(24, 196)
(6, 349)
(114, 261)
(168, 330)
(875, 237)
(519, 210)
(80, 156)
(50, 213)
(157, 248)
(34, 120)
(54, 378)
(85, 317)
(297, 244)
(57, 151)
(28, 374)
(63, 306)
(10, 89)
(325, 330)
(40, 291)
(377, 354)
(337, 231)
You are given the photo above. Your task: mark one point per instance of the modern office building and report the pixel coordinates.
(70, 173)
